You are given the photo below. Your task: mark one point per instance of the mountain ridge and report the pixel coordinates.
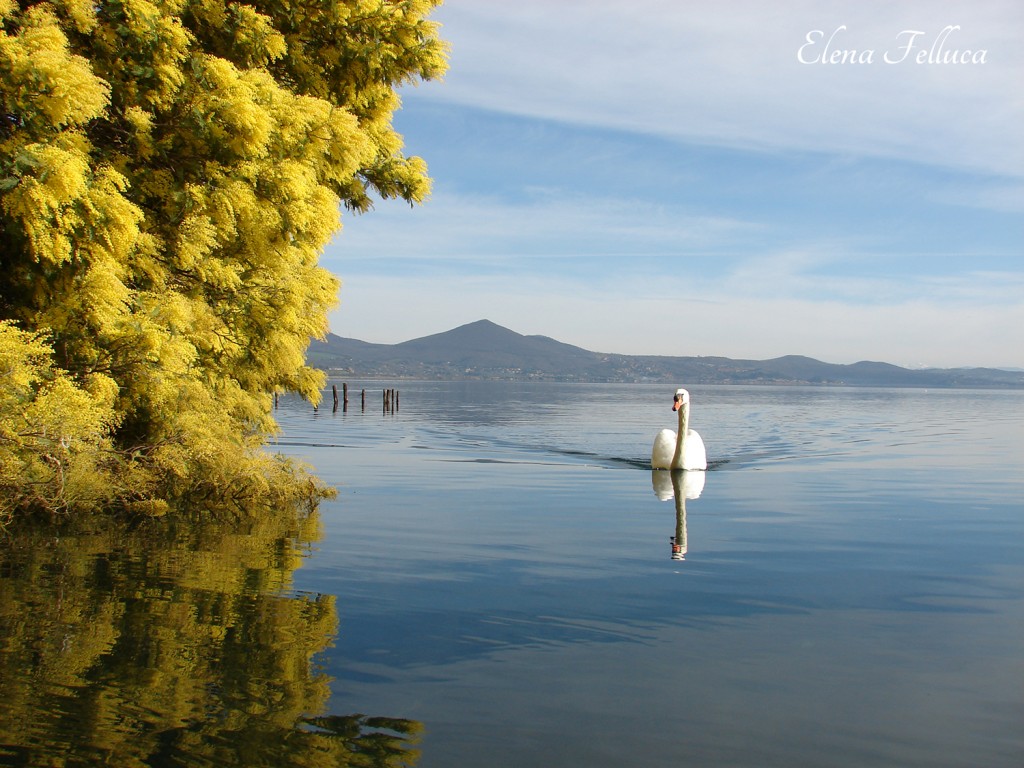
(486, 350)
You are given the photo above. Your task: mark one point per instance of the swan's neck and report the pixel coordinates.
(684, 425)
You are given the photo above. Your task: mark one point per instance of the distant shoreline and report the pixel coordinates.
(336, 375)
(484, 351)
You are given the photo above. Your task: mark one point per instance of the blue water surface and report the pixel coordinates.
(850, 590)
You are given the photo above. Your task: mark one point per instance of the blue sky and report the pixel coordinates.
(665, 177)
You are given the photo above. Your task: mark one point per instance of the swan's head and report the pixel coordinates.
(682, 397)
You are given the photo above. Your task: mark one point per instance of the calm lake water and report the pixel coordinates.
(497, 580)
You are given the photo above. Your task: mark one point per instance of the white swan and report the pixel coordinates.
(683, 449)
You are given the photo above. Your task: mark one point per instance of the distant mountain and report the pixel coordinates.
(485, 350)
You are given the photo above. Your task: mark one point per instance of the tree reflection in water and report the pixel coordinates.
(174, 642)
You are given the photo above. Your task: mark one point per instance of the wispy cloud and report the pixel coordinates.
(547, 223)
(729, 74)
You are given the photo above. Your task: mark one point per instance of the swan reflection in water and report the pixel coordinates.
(680, 485)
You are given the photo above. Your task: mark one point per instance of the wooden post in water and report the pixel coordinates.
(364, 401)
(344, 395)
(275, 401)
(390, 397)
(334, 389)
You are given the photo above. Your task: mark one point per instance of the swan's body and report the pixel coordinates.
(683, 449)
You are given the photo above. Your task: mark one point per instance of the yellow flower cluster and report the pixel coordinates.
(170, 171)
